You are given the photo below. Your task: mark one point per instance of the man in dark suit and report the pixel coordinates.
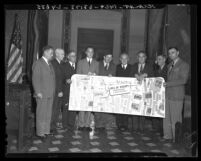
(178, 71)
(87, 66)
(141, 70)
(123, 70)
(56, 63)
(69, 68)
(106, 68)
(160, 71)
(43, 80)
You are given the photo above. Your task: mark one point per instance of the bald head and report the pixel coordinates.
(59, 53)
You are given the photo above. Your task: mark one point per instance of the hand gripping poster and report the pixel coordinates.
(118, 95)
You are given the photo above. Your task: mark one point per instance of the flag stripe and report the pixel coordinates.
(14, 60)
(17, 63)
(13, 53)
(17, 75)
(12, 46)
(14, 64)
(19, 80)
(14, 72)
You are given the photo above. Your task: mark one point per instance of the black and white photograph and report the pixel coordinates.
(62, 60)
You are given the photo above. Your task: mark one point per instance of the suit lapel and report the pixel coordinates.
(45, 64)
(177, 63)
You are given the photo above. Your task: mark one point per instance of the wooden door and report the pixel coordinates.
(100, 39)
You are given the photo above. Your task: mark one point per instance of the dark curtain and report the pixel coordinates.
(66, 32)
(125, 31)
(42, 24)
(37, 37)
(155, 33)
(30, 42)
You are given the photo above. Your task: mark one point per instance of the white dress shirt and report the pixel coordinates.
(58, 60)
(72, 64)
(89, 59)
(45, 60)
(124, 66)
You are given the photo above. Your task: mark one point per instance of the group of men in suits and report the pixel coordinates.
(52, 79)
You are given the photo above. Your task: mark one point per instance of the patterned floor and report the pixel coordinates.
(110, 140)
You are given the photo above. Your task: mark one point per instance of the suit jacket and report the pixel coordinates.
(161, 73)
(120, 72)
(147, 69)
(105, 72)
(58, 76)
(43, 78)
(176, 80)
(68, 71)
(84, 68)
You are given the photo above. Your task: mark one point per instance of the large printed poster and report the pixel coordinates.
(118, 95)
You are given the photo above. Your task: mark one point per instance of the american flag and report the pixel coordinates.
(15, 62)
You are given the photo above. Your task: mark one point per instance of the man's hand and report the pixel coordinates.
(110, 75)
(68, 81)
(60, 94)
(90, 73)
(165, 84)
(145, 75)
(39, 95)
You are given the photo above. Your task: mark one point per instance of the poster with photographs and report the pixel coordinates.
(118, 95)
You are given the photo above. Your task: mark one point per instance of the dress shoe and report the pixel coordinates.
(88, 129)
(81, 128)
(50, 134)
(42, 137)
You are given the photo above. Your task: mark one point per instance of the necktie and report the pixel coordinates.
(106, 66)
(89, 62)
(141, 68)
(73, 66)
(171, 67)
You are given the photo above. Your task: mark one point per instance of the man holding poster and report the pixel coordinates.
(87, 66)
(106, 68)
(141, 70)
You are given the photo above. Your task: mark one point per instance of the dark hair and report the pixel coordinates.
(48, 47)
(173, 47)
(142, 51)
(163, 55)
(123, 53)
(71, 51)
(89, 47)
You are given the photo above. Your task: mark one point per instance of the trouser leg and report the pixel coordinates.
(176, 114)
(167, 127)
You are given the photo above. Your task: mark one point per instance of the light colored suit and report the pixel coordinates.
(84, 68)
(43, 80)
(84, 118)
(175, 92)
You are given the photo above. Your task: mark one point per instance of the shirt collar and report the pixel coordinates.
(89, 59)
(124, 65)
(176, 60)
(45, 59)
(105, 63)
(71, 63)
(58, 60)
